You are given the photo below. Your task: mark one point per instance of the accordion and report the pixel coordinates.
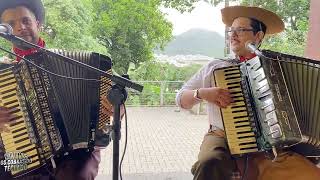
(276, 104)
(56, 111)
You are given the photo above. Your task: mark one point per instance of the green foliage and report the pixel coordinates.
(291, 11)
(151, 93)
(157, 71)
(295, 14)
(69, 25)
(159, 76)
(131, 29)
(180, 5)
(5, 45)
(290, 42)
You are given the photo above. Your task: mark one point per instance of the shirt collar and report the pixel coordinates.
(243, 59)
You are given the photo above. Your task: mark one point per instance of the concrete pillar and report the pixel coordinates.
(313, 42)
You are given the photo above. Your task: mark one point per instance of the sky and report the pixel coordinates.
(204, 16)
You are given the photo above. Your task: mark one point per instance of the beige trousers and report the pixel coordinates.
(215, 163)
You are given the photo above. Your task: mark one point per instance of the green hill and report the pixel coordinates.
(196, 41)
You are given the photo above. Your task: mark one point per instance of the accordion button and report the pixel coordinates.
(275, 131)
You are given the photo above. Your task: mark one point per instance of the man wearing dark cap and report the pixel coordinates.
(31, 14)
(26, 18)
(245, 24)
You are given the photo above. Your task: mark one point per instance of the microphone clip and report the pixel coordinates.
(252, 48)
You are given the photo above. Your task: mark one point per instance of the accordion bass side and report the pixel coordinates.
(55, 113)
(276, 104)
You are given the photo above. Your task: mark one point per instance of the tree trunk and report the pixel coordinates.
(313, 44)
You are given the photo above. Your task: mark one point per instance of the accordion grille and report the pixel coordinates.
(79, 99)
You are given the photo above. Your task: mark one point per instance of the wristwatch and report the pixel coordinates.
(196, 94)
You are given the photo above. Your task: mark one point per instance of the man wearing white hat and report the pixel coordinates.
(246, 24)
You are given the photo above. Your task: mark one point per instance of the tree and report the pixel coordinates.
(128, 29)
(158, 71)
(156, 76)
(180, 5)
(69, 25)
(131, 29)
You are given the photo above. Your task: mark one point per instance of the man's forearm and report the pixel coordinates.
(187, 100)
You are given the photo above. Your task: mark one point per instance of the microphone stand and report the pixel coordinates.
(117, 95)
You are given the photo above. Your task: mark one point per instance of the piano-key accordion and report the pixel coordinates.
(55, 112)
(276, 104)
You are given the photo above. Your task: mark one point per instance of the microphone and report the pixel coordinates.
(252, 47)
(5, 29)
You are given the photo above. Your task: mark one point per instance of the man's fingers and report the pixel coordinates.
(227, 93)
(227, 99)
(5, 119)
(218, 103)
(4, 128)
(224, 105)
(7, 113)
(224, 100)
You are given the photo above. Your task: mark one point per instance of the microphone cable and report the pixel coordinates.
(125, 141)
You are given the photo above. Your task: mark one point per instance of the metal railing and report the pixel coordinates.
(155, 93)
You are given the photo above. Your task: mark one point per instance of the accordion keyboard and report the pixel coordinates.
(236, 117)
(17, 138)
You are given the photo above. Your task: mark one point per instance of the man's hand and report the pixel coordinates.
(216, 95)
(6, 60)
(5, 117)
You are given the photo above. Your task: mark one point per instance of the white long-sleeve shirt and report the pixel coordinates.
(203, 79)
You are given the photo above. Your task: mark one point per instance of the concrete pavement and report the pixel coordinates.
(162, 144)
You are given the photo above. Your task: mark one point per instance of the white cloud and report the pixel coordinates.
(204, 16)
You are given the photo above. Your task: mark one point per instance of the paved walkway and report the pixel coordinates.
(162, 144)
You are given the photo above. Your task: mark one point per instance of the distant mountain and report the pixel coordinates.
(196, 41)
